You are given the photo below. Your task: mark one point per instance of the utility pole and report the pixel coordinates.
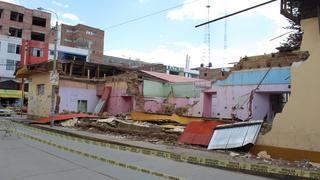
(54, 75)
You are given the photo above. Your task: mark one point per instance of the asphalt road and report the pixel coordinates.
(24, 159)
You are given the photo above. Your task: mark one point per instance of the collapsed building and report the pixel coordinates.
(96, 88)
(255, 88)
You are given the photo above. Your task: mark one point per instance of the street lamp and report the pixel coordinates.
(54, 70)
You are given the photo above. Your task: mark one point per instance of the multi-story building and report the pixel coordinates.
(17, 23)
(22, 31)
(81, 37)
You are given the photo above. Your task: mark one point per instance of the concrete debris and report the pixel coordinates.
(69, 123)
(234, 154)
(264, 155)
(316, 165)
(109, 120)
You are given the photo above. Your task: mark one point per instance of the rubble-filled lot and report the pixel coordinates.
(167, 133)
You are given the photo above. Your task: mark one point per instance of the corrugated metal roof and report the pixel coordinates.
(172, 78)
(235, 135)
(199, 132)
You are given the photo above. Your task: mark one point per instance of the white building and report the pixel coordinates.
(69, 53)
(10, 49)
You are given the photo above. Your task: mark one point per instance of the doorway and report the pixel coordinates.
(207, 104)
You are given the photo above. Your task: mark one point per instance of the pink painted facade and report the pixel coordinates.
(119, 100)
(71, 93)
(228, 97)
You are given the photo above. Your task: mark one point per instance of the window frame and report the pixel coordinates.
(40, 89)
(10, 67)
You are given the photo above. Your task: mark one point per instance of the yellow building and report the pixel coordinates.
(295, 132)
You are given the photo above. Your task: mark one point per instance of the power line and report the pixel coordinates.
(238, 12)
(148, 15)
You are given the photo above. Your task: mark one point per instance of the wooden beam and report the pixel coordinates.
(98, 72)
(71, 68)
(84, 70)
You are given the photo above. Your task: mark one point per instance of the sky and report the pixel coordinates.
(167, 37)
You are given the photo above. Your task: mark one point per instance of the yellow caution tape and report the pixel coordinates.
(251, 167)
(102, 159)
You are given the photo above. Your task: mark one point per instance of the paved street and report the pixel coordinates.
(25, 159)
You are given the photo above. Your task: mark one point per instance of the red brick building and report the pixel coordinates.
(21, 22)
(84, 37)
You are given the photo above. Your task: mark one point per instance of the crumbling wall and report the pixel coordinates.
(39, 105)
(295, 132)
(233, 93)
(126, 94)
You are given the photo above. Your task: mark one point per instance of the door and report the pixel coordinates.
(207, 104)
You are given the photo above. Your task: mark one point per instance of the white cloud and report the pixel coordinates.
(12, 1)
(70, 16)
(198, 11)
(174, 53)
(141, 1)
(167, 54)
(60, 4)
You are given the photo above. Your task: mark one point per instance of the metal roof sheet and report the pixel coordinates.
(235, 135)
(199, 132)
(173, 78)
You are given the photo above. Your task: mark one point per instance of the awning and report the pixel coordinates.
(5, 93)
(235, 135)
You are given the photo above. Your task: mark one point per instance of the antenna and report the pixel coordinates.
(225, 47)
(206, 57)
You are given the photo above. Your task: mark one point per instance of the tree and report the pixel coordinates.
(293, 41)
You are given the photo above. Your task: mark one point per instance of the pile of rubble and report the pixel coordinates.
(265, 158)
(122, 125)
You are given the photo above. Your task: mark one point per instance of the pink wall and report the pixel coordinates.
(229, 96)
(120, 104)
(69, 97)
(153, 104)
(207, 104)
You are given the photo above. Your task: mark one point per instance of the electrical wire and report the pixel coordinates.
(148, 15)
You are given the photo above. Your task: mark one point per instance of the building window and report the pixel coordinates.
(37, 36)
(36, 52)
(15, 32)
(15, 16)
(1, 10)
(11, 48)
(10, 65)
(82, 105)
(18, 49)
(14, 48)
(67, 40)
(39, 21)
(40, 89)
(91, 33)
(69, 31)
(51, 52)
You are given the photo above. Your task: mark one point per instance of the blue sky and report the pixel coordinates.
(167, 37)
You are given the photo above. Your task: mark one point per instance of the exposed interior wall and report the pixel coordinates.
(297, 127)
(71, 92)
(119, 101)
(185, 96)
(39, 105)
(238, 96)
